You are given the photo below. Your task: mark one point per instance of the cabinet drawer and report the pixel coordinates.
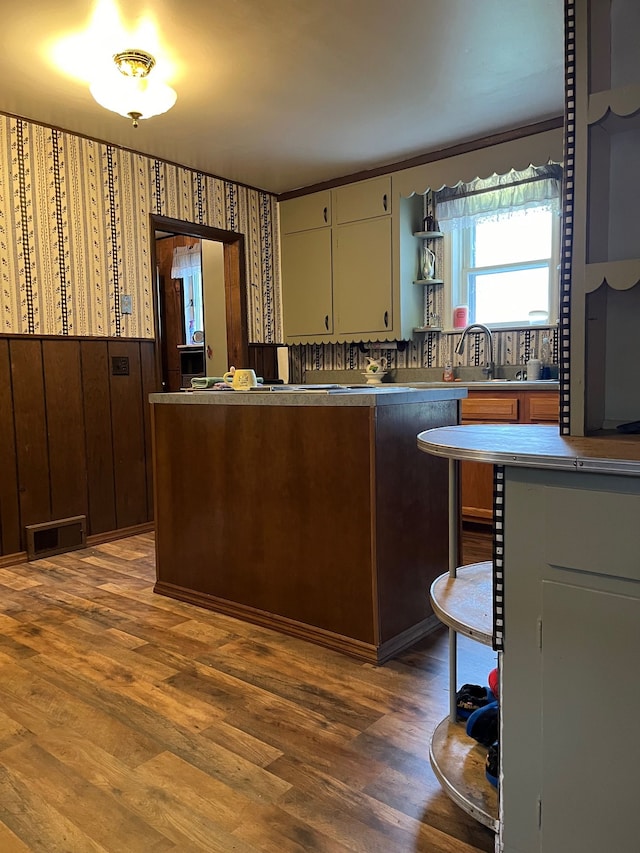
(305, 212)
(490, 409)
(593, 531)
(363, 200)
(542, 408)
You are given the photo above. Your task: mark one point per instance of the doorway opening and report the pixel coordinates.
(177, 358)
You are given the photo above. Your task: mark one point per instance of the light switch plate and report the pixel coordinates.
(125, 303)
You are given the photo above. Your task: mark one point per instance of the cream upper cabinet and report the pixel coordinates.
(307, 285)
(306, 212)
(350, 280)
(362, 278)
(363, 200)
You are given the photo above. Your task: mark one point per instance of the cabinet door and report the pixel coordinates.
(542, 407)
(305, 212)
(364, 200)
(530, 407)
(597, 816)
(572, 610)
(477, 477)
(306, 284)
(362, 278)
(476, 483)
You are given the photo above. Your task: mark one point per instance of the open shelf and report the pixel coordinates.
(620, 102)
(459, 764)
(614, 187)
(428, 281)
(619, 275)
(613, 29)
(428, 329)
(464, 603)
(428, 235)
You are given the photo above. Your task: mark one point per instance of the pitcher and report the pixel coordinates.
(428, 264)
(376, 365)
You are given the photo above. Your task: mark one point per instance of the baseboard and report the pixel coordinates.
(13, 559)
(122, 533)
(408, 638)
(359, 649)
(95, 539)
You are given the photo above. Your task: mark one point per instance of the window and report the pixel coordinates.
(506, 267)
(192, 291)
(187, 265)
(502, 236)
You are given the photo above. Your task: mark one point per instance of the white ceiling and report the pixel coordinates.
(280, 94)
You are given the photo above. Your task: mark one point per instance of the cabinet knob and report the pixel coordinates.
(326, 322)
(386, 319)
(325, 213)
(384, 202)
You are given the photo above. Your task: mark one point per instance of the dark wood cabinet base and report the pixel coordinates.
(324, 522)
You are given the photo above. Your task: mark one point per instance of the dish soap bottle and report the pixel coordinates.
(447, 376)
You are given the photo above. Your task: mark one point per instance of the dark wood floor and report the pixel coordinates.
(476, 543)
(130, 722)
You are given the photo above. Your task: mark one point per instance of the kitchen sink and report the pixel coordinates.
(470, 383)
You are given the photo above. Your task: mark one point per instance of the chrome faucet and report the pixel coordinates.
(479, 327)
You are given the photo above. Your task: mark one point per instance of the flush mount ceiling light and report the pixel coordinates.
(128, 90)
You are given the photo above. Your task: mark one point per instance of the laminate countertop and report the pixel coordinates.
(493, 384)
(314, 395)
(534, 446)
(305, 512)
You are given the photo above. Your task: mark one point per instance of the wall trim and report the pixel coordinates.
(131, 151)
(12, 336)
(122, 533)
(369, 652)
(7, 560)
(430, 157)
(13, 559)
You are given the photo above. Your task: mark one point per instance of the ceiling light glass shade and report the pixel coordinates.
(133, 96)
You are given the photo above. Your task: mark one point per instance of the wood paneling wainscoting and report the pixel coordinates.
(74, 438)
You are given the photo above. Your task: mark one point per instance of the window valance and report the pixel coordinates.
(186, 261)
(496, 197)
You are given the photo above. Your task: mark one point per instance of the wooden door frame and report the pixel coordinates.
(235, 283)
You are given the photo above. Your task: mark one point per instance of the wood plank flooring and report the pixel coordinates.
(131, 722)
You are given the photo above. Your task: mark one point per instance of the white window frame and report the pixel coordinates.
(192, 304)
(457, 259)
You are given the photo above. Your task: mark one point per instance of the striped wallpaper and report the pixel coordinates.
(74, 233)
(513, 347)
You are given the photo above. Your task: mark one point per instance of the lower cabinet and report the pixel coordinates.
(569, 685)
(506, 407)
(308, 519)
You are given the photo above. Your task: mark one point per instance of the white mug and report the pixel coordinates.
(241, 379)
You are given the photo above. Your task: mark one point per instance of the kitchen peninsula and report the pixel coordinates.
(305, 510)
(566, 604)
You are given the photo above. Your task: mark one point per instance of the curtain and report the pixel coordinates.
(186, 261)
(497, 197)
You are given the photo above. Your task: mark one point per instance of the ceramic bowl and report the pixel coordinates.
(374, 378)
